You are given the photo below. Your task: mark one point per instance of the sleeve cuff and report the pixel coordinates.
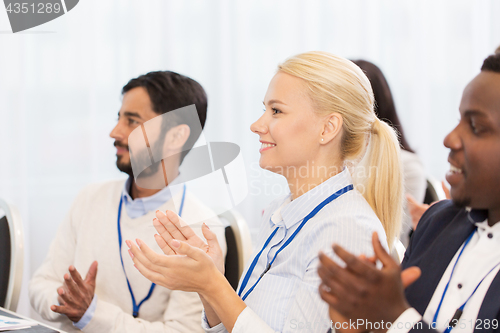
(249, 322)
(87, 316)
(405, 322)
(206, 327)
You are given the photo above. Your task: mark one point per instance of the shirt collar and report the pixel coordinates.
(298, 209)
(476, 215)
(141, 206)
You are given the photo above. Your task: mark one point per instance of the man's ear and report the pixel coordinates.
(332, 127)
(177, 137)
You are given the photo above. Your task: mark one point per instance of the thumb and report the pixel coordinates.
(210, 236)
(183, 248)
(411, 200)
(410, 275)
(91, 274)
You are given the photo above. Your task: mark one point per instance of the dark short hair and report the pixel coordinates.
(492, 63)
(169, 91)
(384, 103)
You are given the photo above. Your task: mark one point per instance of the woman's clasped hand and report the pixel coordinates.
(188, 260)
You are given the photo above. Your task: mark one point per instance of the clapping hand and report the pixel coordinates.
(187, 270)
(76, 294)
(362, 291)
(170, 226)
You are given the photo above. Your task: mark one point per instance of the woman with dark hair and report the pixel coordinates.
(413, 169)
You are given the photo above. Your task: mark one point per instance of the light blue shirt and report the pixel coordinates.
(286, 298)
(141, 206)
(135, 208)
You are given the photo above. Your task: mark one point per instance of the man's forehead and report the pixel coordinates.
(482, 95)
(137, 101)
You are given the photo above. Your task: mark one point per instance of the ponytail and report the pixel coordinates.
(381, 181)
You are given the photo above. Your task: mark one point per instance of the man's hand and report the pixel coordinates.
(361, 291)
(417, 209)
(75, 295)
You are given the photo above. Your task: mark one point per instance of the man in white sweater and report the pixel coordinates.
(116, 297)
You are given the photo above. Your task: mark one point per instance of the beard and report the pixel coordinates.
(141, 157)
(122, 166)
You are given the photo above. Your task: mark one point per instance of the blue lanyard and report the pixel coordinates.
(289, 240)
(136, 306)
(458, 313)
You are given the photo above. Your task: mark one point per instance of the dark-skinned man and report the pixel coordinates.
(455, 249)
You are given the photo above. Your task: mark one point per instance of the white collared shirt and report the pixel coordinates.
(478, 258)
(287, 299)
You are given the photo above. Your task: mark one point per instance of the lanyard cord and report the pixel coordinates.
(288, 241)
(458, 313)
(135, 306)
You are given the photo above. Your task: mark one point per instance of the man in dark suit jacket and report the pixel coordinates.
(453, 259)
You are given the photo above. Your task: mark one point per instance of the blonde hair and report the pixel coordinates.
(337, 85)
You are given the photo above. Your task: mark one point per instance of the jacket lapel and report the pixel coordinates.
(436, 259)
(490, 307)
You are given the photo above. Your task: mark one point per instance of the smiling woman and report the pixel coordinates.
(341, 163)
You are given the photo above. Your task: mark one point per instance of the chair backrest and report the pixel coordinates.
(433, 192)
(11, 256)
(239, 246)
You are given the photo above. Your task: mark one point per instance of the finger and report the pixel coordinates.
(65, 297)
(139, 256)
(148, 273)
(339, 290)
(210, 236)
(71, 286)
(411, 200)
(162, 231)
(370, 260)
(445, 189)
(91, 274)
(326, 296)
(410, 275)
(353, 263)
(157, 224)
(381, 253)
(59, 309)
(331, 271)
(77, 278)
(188, 250)
(171, 222)
(164, 245)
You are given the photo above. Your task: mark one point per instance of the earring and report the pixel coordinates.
(322, 139)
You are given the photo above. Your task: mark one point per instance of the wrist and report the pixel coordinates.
(397, 311)
(212, 285)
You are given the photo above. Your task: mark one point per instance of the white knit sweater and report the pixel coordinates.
(88, 233)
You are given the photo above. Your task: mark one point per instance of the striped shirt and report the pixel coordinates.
(287, 299)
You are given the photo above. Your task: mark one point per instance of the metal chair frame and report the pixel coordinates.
(16, 254)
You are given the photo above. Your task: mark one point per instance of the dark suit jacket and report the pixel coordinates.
(441, 231)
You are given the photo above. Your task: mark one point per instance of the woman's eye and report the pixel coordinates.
(275, 111)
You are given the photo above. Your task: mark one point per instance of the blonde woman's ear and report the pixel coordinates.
(332, 127)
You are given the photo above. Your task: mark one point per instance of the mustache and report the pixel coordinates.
(121, 145)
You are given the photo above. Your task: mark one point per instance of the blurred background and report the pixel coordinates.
(60, 83)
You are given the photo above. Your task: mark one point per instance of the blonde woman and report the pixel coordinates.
(318, 117)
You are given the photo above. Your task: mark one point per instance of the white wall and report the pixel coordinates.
(60, 82)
